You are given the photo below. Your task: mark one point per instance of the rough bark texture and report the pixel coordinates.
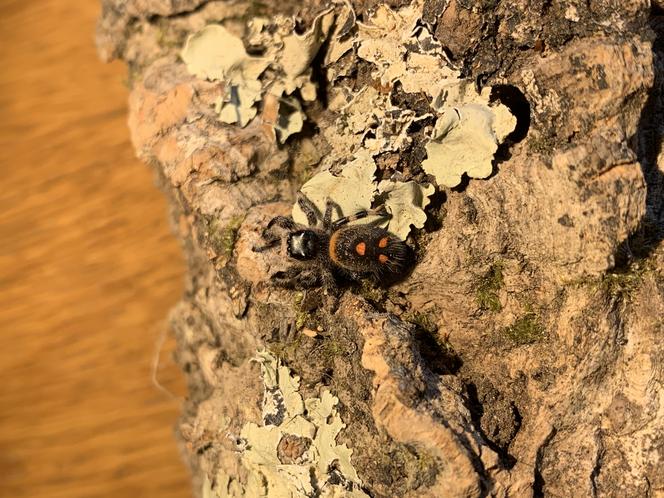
(523, 354)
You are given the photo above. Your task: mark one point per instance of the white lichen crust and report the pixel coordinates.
(293, 453)
(463, 141)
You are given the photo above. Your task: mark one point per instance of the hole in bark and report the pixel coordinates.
(416, 102)
(657, 11)
(478, 413)
(434, 219)
(538, 485)
(439, 356)
(519, 106)
(320, 76)
(328, 377)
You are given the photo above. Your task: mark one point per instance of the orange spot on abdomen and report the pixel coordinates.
(383, 242)
(361, 248)
(382, 258)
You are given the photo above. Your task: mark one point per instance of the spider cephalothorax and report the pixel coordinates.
(326, 249)
(303, 244)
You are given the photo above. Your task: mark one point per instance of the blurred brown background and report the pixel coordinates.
(88, 271)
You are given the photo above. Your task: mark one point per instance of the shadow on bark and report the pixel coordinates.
(647, 144)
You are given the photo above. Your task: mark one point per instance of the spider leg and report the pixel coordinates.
(284, 222)
(285, 278)
(270, 238)
(379, 211)
(329, 282)
(308, 279)
(296, 276)
(356, 275)
(330, 206)
(308, 208)
(287, 275)
(269, 243)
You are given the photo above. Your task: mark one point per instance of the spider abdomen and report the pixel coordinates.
(368, 249)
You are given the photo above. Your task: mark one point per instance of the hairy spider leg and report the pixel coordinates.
(330, 206)
(269, 243)
(308, 279)
(284, 222)
(270, 238)
(308, 208)
(296, 275)
(288, 274)
(312, 213)
(379, 211)
(327, 278)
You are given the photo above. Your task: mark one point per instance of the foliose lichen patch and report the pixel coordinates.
(270, 69)
(293, 452)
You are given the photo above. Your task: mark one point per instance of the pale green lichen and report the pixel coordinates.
(386, 40)
(405, 201)
(216, 54)
(404, 52)
(355, 189)
(352, 190)
(466, 137)
(469, 127)
(304, 471)
(290, 118)
(297, 53)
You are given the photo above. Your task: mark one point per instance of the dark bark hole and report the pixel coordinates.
(320, 76)
(328, 377)
(435, 212)
(498, 425)
(439, 356)
(519, 106)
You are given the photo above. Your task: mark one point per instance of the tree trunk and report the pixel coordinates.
(522, 354)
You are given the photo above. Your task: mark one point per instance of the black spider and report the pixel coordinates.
(326, 249)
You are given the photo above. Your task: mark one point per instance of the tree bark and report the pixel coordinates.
(520, 357)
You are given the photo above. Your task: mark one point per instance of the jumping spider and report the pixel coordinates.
(327, 249)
